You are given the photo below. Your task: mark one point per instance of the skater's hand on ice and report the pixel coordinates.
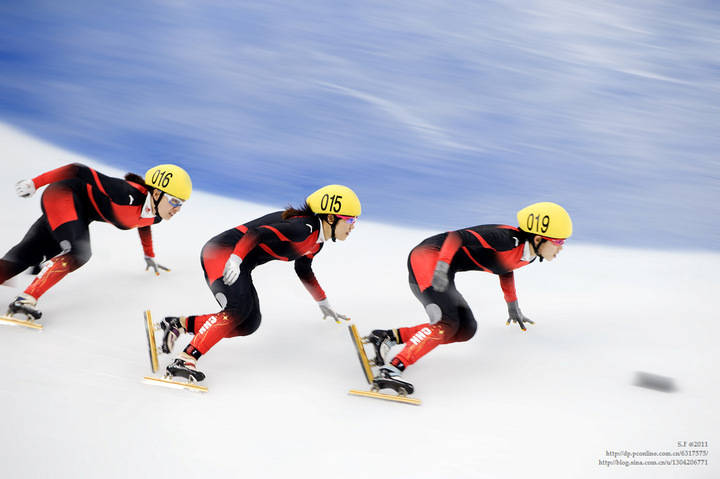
(327, 310)
(232, 269)
(25, 188)
(440, 278)
(150, 263)
(516, 316)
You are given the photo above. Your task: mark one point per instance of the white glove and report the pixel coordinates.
(150, 263)
(232, 269)
(25, 188)
(440, 276)
(327, 310)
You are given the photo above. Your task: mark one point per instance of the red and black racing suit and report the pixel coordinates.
(497, 249)
(76, 196)
(257, 242)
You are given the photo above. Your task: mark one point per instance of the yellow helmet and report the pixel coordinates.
(334, 200)
(171, 179)
(546, 219)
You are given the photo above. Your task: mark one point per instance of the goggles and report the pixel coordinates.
(348, 219)
(174, 202)
(557, 242)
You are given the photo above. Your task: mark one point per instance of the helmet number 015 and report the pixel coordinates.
(331, 203)
(162, 178)
(534, 223)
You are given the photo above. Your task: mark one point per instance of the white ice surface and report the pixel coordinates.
(546, 403)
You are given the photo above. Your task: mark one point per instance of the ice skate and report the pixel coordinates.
(172, 328)
(184, 367)
(26, 305)
(382, 341)
(390, 377)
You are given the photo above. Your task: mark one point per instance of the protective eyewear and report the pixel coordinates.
(557, 242)
(174, 202)
(348, 219)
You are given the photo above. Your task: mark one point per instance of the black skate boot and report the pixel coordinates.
(25, 305)
(382, 340)
(184, 367)
(172, 328)
(389, 377)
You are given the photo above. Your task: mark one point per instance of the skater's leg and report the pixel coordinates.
(240, 316)
(444, 324)
(37, 244)
(468, 325)
(76, 252)
(69, 228)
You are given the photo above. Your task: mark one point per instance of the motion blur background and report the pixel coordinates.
(440, 114)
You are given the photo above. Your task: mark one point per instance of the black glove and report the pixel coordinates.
(150, 262)
(516, 316)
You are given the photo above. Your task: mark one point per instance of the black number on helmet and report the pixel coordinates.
(166, 179)
(545, 223)
(324, 202)
(161, 178)
(337, 205)
(530, 222)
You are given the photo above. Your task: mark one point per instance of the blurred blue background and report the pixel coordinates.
(439, 114)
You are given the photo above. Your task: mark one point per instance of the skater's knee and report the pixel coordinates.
(246, 324)
(450, 329)
(78, 253)
(466, 332)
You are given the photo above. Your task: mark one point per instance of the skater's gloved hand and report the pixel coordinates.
(440, 278)
(516, 316)
(327, 310)
(150, 263)
(25, 188)
(232, 269)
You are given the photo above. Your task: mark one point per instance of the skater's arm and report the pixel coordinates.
(303, 268)
(146, 240)
(452, 243)
(272, 235)
(246, 244)
(507, 283)
(73, 170)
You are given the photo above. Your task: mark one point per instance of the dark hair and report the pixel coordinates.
(139, 180)
(291, 211)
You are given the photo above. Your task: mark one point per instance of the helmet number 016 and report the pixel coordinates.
(542, 226)
(162, 178)
(331, 203)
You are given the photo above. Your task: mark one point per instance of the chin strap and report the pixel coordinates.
(537, 248)
(157, 202)
(332, 229)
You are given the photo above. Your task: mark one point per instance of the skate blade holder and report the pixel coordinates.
(172, 384)
(364, 340)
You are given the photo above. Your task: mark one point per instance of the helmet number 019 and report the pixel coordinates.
(534, 223)
(331, 203)
(162, 178)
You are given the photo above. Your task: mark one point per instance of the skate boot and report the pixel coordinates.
(172, 328)
(382, 340)
(184, 366)
(25, 305)
(389, 377)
